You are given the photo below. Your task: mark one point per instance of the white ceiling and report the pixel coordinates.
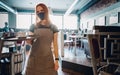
(57, 6)
(30, 4)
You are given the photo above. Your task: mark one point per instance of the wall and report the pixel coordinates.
(12, 20)
(100, 14)
(97, 7)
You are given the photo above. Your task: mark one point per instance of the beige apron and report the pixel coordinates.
(41, 58)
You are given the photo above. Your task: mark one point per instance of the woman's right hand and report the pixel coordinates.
(56, 65)
(29, 41)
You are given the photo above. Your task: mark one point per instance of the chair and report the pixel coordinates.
(113, 49)
(94, 51)
(5, 63)
(68, 42)
(86, 48)
(78, 43)
(11, 64)
(96, 57)
(17, 64)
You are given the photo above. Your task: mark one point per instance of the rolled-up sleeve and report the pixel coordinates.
(54, 28)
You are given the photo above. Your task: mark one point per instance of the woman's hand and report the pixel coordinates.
(29, 41)
(56, 65)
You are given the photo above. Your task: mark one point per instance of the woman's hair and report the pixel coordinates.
(46, 11)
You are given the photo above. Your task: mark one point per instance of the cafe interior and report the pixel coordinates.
(88, 37)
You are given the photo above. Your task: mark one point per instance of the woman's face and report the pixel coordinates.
(39, 9)
(40, 12)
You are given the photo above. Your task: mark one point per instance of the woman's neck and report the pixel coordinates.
(44, 22)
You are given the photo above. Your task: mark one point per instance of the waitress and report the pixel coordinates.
(43, 60)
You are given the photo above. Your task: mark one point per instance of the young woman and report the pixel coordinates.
(43, 60)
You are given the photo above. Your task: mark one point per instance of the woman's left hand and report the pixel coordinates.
(56, 65)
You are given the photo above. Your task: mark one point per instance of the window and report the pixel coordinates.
(113, 18)
(90, 24)
(100, 21)
(3, 19)
(57, 20)
(25, 20)
(83, 25)
(70, 22)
